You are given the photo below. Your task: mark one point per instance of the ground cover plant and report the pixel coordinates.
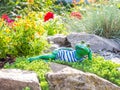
(39, 67)
(99, 66)
(103, 68)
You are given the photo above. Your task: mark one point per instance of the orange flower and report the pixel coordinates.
(30, 1)
(27, 26)
(18, 16)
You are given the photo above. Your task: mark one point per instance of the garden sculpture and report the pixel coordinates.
(67, 54)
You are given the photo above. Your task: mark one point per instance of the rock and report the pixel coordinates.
(108, 55)
(58, 39)
(57, 67)
(72, 79)
(108, 48)
(15, 79)
(52, 47)
(118, 68)
(116, 60)
(97, 43)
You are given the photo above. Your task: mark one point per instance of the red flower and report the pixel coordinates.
(48, 15)
(5, 17)
(76, 15)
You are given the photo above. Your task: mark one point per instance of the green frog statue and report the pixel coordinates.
(67, 54)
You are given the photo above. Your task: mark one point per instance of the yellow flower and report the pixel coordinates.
(1, 22)
(42, 30)
(33, 23)
(16, 24)
(40, 15)
(8, 39)
(27, 26)
(32, 37)
(7, 30)
(31, 14)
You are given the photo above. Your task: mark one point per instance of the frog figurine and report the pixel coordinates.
(67, 54)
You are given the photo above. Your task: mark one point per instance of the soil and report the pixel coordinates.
(9, 59)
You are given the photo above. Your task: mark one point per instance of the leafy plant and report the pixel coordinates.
(6, 6)
(40, 67)
(62, 7)
(102, 20)
(55, 26)
(105, 22)
(19, 7)
(23, 37)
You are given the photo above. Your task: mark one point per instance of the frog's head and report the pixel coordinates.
(83, 49)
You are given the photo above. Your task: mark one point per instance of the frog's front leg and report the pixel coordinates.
(44, 57)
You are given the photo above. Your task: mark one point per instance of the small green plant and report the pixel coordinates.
(103, 68)
(55, 26)
(40, 67)
(104, 23)
(26, 88)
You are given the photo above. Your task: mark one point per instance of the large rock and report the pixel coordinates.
(58, 39)
(116, 60)
(57, 67)
(14, 79)
(97, 43)
(72, 79)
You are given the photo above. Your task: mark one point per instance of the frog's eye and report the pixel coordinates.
(82, 42)
(88, 45)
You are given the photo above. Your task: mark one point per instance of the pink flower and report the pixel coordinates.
(76, 15)
(48, 15)
(9, 20)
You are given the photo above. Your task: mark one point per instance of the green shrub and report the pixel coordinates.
(103, 68)
(55, 26)
(39, 67)
(12, 7)
(102, 20)
(7, 6)
(21, 38)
